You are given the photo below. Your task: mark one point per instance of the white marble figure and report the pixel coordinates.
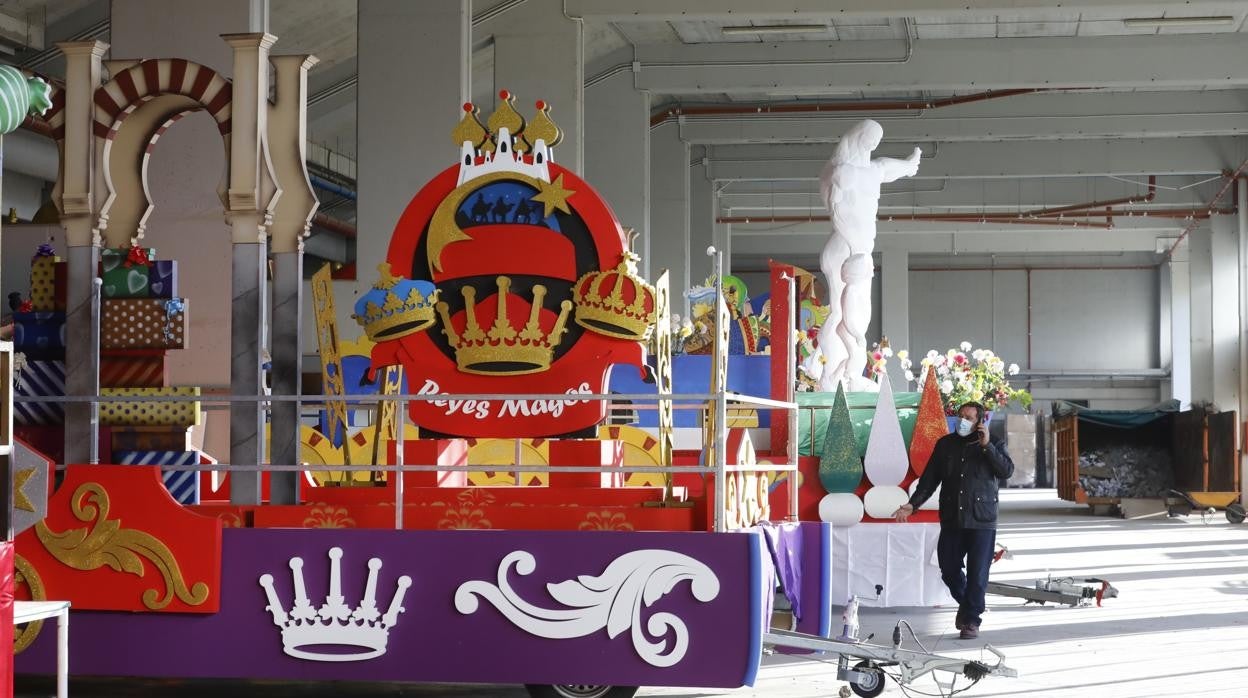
(850, 185)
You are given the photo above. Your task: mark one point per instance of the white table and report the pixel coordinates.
(28, 611)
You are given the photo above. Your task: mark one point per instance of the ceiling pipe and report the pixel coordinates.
(334, 225)
(1011, 218)
(1230, 179)
(669, 113)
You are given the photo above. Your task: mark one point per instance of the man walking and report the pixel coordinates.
(966, 466)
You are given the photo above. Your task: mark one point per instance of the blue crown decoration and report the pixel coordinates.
(396, 307)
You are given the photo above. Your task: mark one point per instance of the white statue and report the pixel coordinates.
(850, 185)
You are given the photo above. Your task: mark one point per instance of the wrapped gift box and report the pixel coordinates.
(143, 323)
(40, 379)
(43, 283)
(151, 439)
(134, 368)
(149, 414)
(124, 278)
(39, 335)
(60, 286)
(183, 485)
(162, 279)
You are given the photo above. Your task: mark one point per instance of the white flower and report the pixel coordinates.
(966, 346)
(909, 375)
(978, 354)
(906, 363)
(932, 354)
(1013, 369)
(887, 352)
(946, 386)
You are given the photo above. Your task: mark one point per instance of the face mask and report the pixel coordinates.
(965, 427)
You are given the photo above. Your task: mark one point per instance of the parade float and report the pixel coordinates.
(490, 497)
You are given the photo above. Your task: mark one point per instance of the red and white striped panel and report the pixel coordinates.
(151, 78)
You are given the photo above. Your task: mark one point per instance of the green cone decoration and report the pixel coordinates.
(840, 467)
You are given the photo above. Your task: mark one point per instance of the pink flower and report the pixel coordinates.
(959, 359)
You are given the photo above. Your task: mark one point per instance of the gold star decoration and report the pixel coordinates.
(553, 196)
(20, 500)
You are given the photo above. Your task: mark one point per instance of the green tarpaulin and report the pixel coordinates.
(812, 418)
(1122, 419)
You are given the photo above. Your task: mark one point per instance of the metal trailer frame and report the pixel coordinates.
(910, 664)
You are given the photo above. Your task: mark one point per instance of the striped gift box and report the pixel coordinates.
(151, 439)
(183, 485)
(40, 379)
(138, 369)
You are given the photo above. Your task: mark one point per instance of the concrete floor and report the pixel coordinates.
(1177, 628)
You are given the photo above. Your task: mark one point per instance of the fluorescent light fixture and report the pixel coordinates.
(1212, 20)
(776, 29)
(810, 92)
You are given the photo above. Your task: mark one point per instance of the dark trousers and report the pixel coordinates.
(976, 547)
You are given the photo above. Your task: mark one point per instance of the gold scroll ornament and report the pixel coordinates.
(103, 542)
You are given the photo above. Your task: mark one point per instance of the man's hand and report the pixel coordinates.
(983, 435)
(903, 512)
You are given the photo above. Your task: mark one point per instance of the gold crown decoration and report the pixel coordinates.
(502, 350)
(396, 307)
(616, 303)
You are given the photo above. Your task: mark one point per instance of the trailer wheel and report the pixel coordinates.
(1235, 513)
(873, 684)
(580, 690)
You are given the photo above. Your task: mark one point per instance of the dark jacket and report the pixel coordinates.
(968, 476)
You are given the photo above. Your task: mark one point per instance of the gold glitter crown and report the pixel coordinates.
(616, 303)
(503, 350)
(396, 307)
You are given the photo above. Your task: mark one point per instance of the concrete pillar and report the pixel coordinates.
(1180, 327)
(701, 217)
(414, 71)
(669, 213)
(250, 190)
(539, 54)
(894, 310)
(1241, 207)
(76, 200)
(184, 173)
(1224, 310)
(1201, 280)
(617, 155)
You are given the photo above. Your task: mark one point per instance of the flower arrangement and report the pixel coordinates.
(966, 375)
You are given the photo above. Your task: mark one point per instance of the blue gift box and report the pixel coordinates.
(40, 379)
(162, 278)
(183, 485)
(39, 334)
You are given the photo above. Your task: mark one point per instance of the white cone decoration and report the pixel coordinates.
(933, 502)
(887, 459)
(841, 509)
(880, 502)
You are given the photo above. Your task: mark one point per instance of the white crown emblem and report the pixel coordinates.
(358, 634)
(506, 143)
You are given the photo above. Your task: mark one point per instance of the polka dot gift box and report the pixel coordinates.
(143, 323)
(43, 279)
(149, 414)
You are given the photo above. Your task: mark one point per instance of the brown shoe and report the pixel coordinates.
(969, 632)
(957, 620)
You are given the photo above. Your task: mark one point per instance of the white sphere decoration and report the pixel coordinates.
(841, 509)
(881, 501)
(933, 502)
